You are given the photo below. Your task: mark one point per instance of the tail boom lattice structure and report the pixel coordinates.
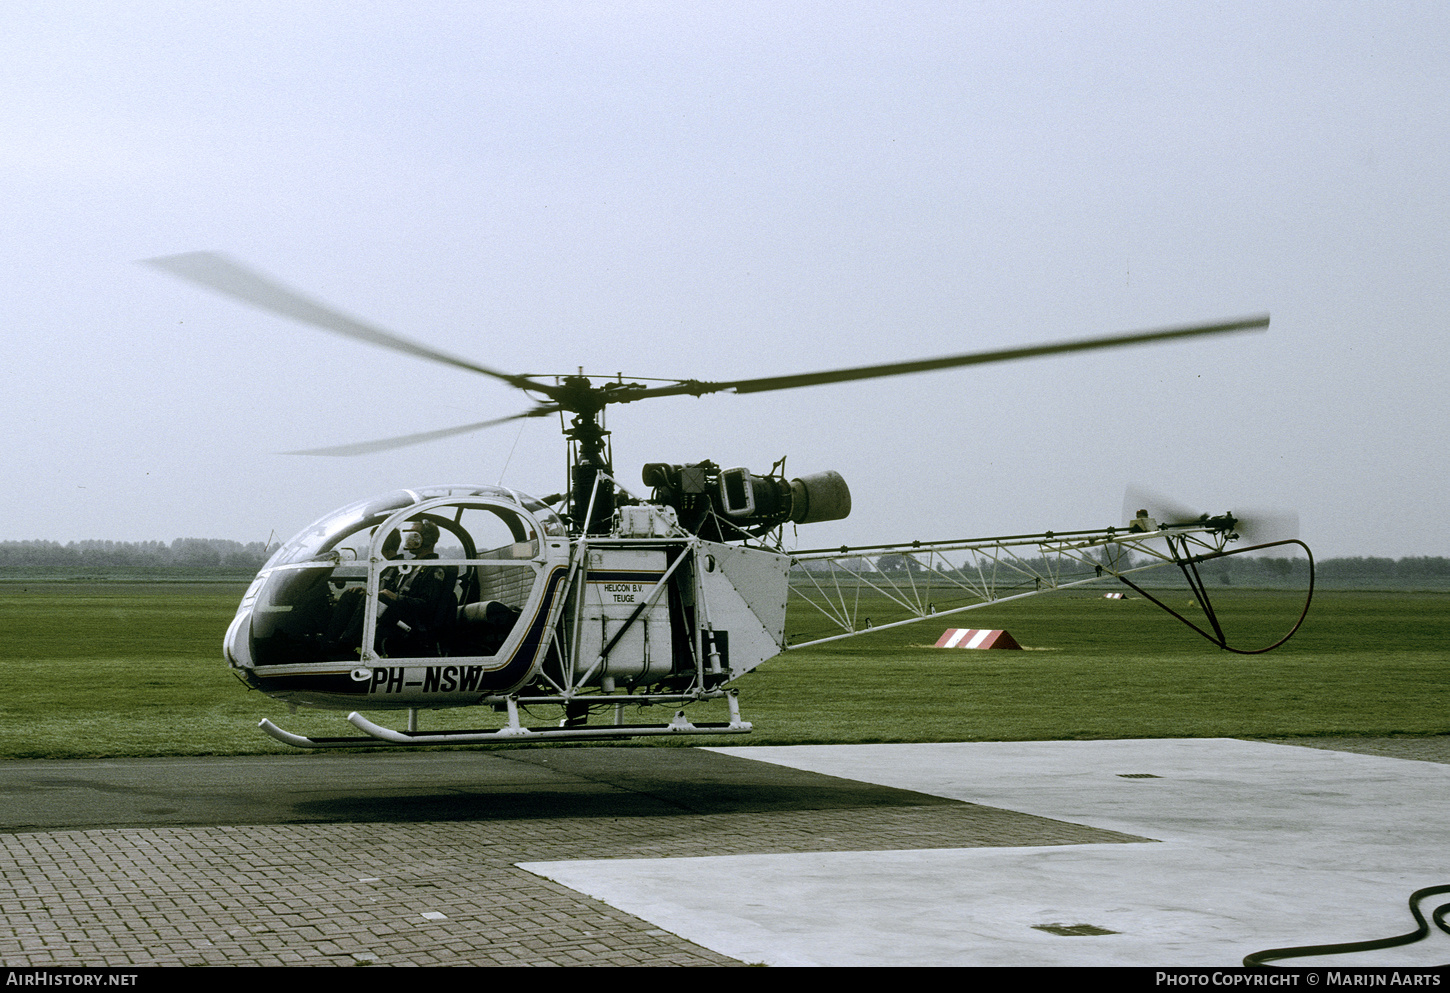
(921, 580)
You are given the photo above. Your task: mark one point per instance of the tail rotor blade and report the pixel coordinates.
(1160, 508)
(1259, 526)
(1255, 526)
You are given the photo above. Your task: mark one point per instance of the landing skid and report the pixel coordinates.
(511, 734)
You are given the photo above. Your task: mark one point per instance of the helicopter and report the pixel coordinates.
(594, 600)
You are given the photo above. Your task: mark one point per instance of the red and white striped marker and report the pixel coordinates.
(976, 638)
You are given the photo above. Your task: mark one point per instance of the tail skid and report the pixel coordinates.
(1189, 567)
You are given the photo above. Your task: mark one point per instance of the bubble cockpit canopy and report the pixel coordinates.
(328, 536)
(346, 575)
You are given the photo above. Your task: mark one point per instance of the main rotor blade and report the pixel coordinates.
(696, 388)
(224, 275)
(403, 441)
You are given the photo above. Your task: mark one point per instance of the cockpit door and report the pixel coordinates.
(484, 599)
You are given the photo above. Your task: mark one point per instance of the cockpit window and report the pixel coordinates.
(458, 598)
(330, 532)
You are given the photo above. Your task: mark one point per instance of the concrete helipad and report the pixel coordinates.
(1256, 846)
(1148, 852)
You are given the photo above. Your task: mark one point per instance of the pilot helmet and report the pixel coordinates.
(419, 534)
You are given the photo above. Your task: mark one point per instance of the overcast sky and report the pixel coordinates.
(725, 191)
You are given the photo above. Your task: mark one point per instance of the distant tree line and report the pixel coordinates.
(1243, 569)
(1414, 569)
(191, 553)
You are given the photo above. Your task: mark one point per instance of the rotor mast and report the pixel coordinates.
(586, 436)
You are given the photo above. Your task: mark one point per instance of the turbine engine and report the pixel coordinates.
(724, 504)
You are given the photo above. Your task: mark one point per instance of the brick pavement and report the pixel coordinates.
(341, 894)
(1431, 749)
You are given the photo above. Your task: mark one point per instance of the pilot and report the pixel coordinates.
(412, 598)
(412, 595)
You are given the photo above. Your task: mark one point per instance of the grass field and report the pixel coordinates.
(131, 669)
